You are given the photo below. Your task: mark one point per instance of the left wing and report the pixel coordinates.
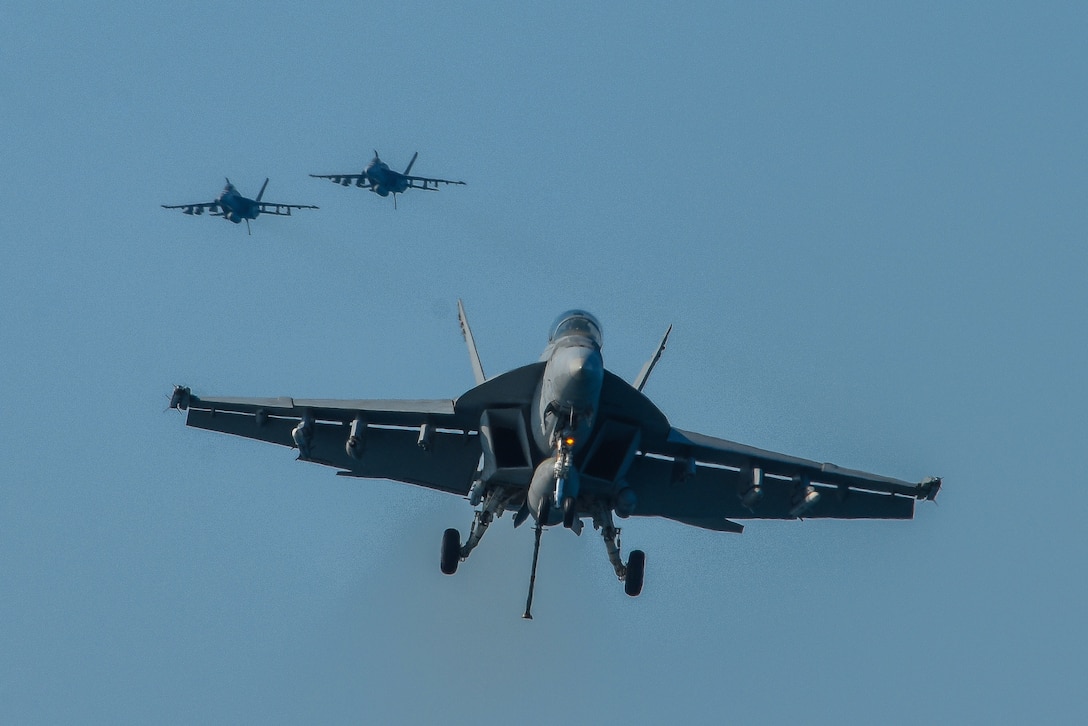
(345, 180)
(283, 210)
(422, 182)
(706, 482)
(417, 442)
(199, 208)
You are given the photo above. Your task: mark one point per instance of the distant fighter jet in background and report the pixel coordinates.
(560, 440)
(380, 179)
(233, 207)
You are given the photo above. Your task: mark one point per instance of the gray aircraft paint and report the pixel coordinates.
(233, 207)
(383, 181)
(559, 440)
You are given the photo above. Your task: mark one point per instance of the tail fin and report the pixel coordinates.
(474, 356)
(413, 161)
(640, 381)
(261, 194)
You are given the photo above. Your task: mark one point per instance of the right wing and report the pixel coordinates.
(345, 180)
(417, 442)
(283, 210)
(422, 182)
(199, 208)
(706, 481)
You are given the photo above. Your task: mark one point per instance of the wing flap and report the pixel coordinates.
(199, 208)
(448, 463)
(274, 430)
(391, 412)
(282, 210)
(427, 180)
(709, 496)
(340, 178)
(710, 450)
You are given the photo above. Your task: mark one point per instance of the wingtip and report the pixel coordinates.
(181, 397)
(929, 488)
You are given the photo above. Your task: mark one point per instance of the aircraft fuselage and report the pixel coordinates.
(564, 411)
(236, 207)
(383, 180)
(571, 386)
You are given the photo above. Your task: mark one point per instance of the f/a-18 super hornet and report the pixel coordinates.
(233, 207)
(561, 440)
(380, 179)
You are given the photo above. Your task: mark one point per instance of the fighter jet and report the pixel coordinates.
(562, 441)
(233, 207)
(380, 179)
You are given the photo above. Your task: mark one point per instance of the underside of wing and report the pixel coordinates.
(422, 182)
(345, 180)
(283, 210)
(199, 208)
(416, 442)
(706, 482)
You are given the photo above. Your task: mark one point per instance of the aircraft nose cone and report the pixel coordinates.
(585, 365)
(581, 377)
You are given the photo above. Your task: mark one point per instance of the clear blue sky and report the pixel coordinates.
(867, 226)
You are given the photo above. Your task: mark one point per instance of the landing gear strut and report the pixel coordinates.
(453, 551)
(566, 482)
(631, 574)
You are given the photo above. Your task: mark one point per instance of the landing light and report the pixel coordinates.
(569, 441)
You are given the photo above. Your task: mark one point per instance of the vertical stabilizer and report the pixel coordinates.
(640, 381)
(474, 357)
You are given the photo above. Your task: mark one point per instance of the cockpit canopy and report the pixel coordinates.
(579, 323)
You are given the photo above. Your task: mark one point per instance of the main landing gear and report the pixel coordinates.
(453, 552)
(631, 574)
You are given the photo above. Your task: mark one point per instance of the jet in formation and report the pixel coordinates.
(233, 207)
(380, 179)
(562, 441)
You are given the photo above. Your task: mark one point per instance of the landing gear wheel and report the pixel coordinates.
(451, 551)
(636, 568)
(570, 511)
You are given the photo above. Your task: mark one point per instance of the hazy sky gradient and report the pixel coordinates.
(867, 225)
